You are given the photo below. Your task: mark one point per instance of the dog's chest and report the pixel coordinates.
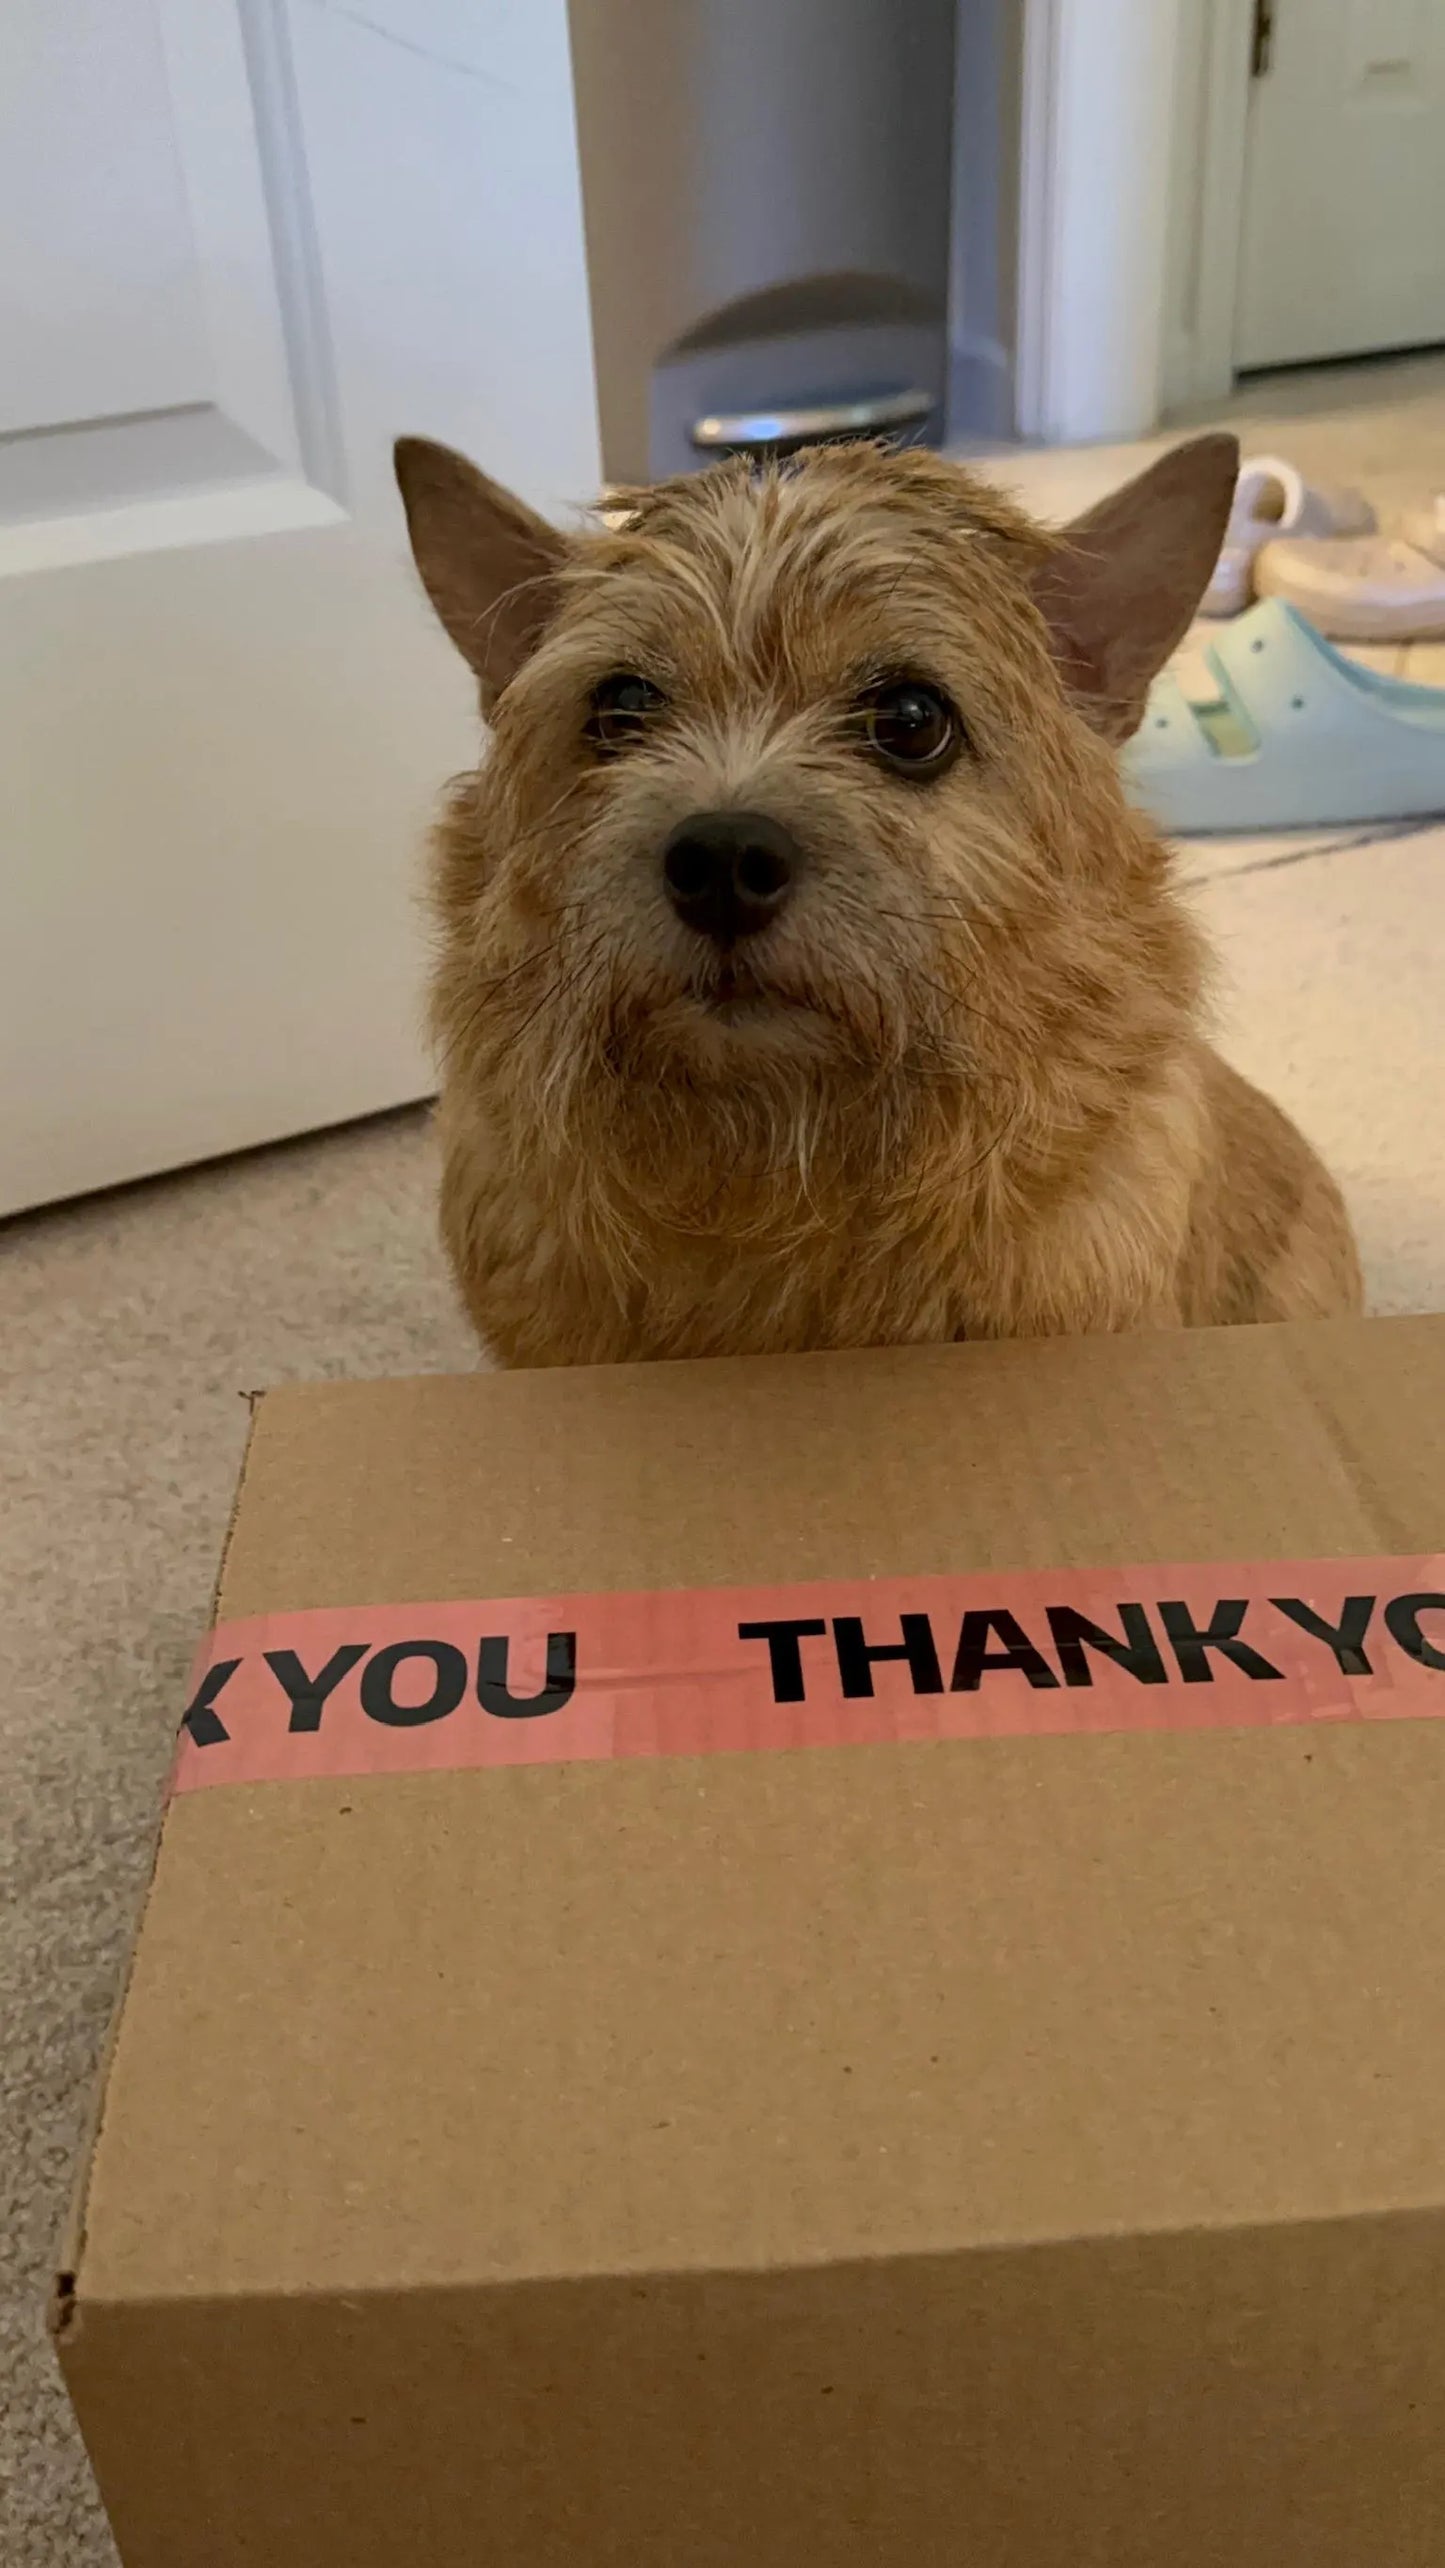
(689, 1297)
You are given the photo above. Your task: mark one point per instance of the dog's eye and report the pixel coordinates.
(911, 725)
(621, 706)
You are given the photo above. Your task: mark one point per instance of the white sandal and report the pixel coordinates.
(1278, 730)
(1381, 588)
(1272, 501)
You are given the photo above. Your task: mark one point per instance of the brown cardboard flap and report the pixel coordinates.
(1206, 1445)
(1248, 2400)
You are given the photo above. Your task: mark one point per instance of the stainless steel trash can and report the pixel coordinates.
(767, 188)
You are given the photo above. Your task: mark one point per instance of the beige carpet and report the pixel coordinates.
(131, 1326)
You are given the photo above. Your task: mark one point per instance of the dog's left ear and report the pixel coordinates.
(1120, 592)
(488, 563)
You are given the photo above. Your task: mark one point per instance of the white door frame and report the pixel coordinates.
(1206, 214)
(1134, 117)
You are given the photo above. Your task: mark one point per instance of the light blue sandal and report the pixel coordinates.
(1298, 737)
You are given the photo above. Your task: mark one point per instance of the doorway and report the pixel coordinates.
(1342, 234)
(1307, 205)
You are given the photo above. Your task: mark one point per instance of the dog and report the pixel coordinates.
(806, 978)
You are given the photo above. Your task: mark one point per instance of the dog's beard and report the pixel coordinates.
(742, 1104)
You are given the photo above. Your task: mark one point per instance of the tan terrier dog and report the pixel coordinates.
(806, 978)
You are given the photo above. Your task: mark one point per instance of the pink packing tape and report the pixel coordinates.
(404, 1689)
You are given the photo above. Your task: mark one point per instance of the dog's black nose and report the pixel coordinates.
(728, 873)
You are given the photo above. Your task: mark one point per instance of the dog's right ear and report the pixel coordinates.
(1123, 586)
(487, 562)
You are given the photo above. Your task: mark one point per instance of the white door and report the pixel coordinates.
(242, 244)
(1343, 247)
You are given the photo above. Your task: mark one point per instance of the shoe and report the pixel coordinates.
(1379, 589)
(1294, 736)
(1272, 502)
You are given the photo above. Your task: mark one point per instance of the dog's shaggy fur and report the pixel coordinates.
(959, 1087)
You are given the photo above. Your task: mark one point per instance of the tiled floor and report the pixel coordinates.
(1379, 426)
(1381, 422)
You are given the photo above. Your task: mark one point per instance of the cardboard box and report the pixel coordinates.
(758, 2079)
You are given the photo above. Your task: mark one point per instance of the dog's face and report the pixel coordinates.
(785, 768)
